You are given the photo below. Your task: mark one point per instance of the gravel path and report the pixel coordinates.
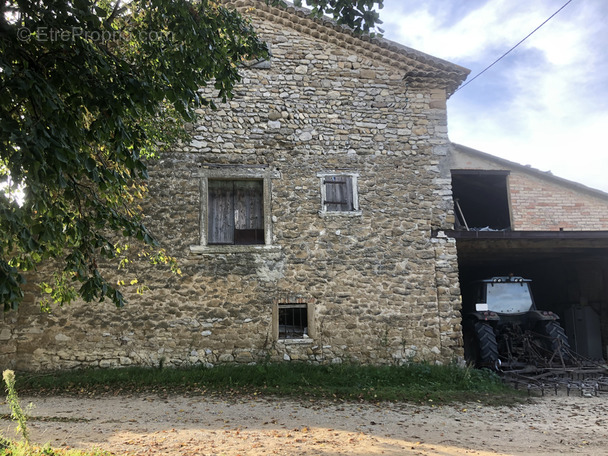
(145, 425)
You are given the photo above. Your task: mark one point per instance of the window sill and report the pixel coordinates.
(225, 249)
(296, 341)
(340, 213)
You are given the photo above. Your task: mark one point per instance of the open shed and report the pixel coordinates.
(515, 219)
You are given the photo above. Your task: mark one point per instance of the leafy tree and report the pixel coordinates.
(360, 15)
(89, 91)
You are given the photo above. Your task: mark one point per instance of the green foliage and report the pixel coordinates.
(89, 90)
(360, 15)
(413, 383)
(17, 412)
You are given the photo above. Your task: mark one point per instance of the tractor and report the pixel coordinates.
(502, 327)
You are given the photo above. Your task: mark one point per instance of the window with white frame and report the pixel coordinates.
(339, 193)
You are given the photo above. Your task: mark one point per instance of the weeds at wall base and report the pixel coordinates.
(417, 383)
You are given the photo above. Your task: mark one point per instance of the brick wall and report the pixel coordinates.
(542, 205)
(540, 201)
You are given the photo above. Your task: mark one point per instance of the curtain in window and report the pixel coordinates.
(235, 212)
(220, 212)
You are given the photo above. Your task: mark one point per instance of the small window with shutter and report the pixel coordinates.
(339, 193)
(235, 212)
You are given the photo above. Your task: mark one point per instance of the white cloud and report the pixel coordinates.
(481, 30)
(572, 153)
(546, 103)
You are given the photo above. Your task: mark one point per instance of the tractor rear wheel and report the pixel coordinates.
(557, 341)
(488, 347)
(480, 346)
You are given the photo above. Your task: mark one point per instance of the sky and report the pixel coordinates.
(546, 103)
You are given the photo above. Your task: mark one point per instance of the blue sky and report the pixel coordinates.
(546, 103)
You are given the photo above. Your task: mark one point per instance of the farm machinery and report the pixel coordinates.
(502, 327)
(504, 331)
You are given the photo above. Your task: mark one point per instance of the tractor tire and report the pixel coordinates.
(486, 340)
(557, 341)
(480, 346)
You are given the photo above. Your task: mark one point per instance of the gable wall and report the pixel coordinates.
(542, 204)
(382, 290)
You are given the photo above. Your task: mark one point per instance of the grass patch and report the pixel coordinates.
(13, 448)
(411, 383)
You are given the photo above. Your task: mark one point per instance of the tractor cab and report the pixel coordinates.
(504, 295)
(502, 326)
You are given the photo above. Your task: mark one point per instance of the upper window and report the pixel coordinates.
(235, 208)
(235, 212)
(339, 193)
(481, 200)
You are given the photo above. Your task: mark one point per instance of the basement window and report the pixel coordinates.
(293, 321)
(481, 201)
(339, 194)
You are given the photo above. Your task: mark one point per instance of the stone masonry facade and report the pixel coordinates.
(368, 284)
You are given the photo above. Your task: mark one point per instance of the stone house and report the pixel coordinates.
(308, 215)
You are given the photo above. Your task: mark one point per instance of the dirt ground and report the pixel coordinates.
(145, 425)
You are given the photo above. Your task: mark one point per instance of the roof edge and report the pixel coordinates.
(389, 52)
(522, 235)
(547, 175)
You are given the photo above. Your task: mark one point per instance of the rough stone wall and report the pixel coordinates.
(380, 288)
(540, 202)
